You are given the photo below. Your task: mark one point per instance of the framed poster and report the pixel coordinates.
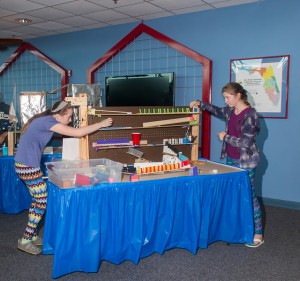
(266, 80)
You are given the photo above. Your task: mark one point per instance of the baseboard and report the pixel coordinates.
(280, 203)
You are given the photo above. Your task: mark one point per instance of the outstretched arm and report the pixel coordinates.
(219, 112)
(82, 131)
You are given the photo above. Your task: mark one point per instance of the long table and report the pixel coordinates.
(14, 195)
(132, 220)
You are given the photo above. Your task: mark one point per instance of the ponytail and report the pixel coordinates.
(35, 116)
(60, 107)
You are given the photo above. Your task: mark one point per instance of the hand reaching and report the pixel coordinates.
(106, 123)
(221, 135)
(195, 103)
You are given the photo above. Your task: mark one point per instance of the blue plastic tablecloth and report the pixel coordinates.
(129, 221)
(14, 196)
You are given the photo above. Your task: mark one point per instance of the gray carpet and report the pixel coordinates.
(277, 260)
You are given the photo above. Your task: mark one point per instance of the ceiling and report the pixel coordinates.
(49, 17)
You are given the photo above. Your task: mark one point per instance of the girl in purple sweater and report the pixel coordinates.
(239, 140)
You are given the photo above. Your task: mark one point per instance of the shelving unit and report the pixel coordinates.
(125, 124)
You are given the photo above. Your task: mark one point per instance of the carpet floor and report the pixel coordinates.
(278, 259)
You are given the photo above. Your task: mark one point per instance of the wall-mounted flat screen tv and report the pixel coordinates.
(155, 89)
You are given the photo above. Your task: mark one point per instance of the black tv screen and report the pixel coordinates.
(140, 90)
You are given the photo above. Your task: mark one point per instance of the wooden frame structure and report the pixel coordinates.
(205, 62)
(167, 124)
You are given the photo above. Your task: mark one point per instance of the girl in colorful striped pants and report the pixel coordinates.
(35, 135)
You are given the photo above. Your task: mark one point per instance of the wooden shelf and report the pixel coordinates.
(142, 114)
(134, 110)
(137, 147)
(133, 128)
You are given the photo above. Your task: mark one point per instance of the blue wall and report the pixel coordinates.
(267, 28)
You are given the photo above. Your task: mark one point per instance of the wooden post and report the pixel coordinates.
(81, 101)
(11, 141)
(195, 132)
(84, 141)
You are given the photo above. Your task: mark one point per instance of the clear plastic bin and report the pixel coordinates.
(67, 174)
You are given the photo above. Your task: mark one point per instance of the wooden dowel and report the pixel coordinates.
(168, 122)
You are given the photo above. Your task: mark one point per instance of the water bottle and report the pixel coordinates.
(4, 150)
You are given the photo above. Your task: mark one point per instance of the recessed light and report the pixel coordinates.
(23, 20)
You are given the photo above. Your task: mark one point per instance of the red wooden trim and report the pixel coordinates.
(206, 63)
(27, 46)
(112, 52)
(206, 117)
(134, 34)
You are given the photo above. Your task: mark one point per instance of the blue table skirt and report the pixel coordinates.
(14, 195)
(129, 221)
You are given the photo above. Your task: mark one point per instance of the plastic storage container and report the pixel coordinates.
(67, 174)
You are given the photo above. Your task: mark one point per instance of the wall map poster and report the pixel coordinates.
(266, 80)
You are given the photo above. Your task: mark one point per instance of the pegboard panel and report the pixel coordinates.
(126, 124)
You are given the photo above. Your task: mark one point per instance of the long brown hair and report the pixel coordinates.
(60, 107)
(234, 88)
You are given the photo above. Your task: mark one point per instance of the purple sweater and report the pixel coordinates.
(246, 143)
(234, 129)
(34, 140)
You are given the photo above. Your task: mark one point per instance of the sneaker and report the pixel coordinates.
(255, 244)
(37, 240)
(29, 247)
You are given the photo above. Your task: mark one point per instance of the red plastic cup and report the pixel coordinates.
(136, 138)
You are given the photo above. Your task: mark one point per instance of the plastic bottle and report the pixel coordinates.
(4, 150)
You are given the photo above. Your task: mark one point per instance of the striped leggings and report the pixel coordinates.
(32, 176)
(256, 206)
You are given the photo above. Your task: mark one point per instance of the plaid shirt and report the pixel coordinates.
(246, 141)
